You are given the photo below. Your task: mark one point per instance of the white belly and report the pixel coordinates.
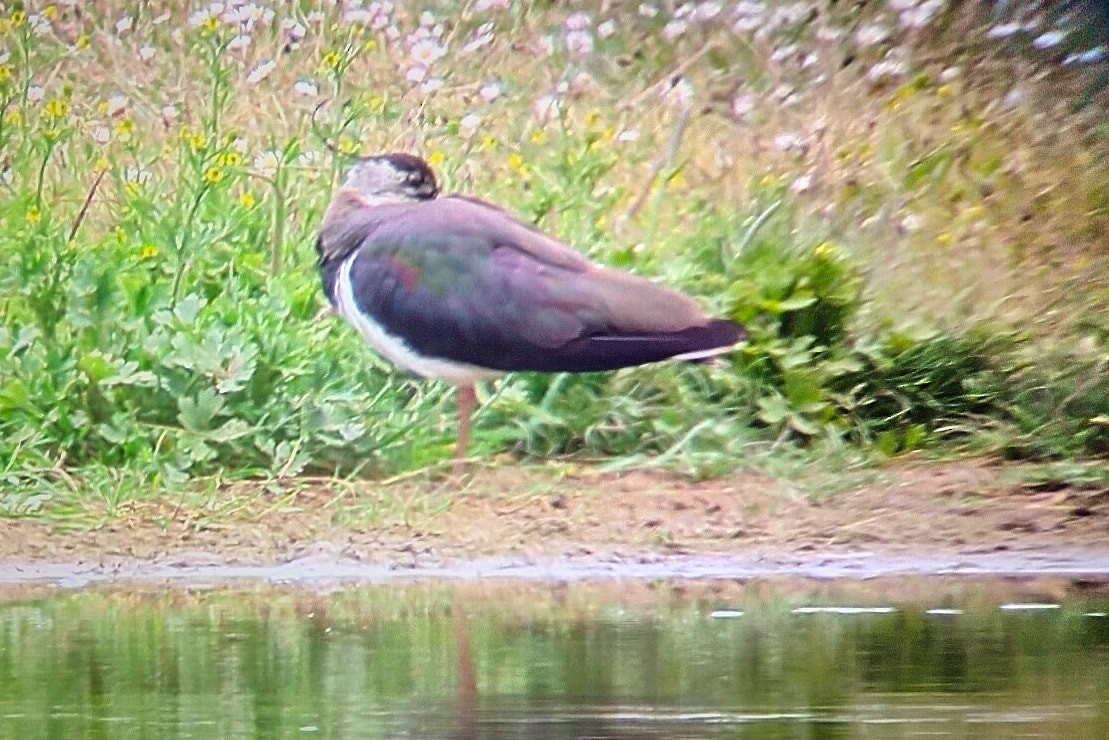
(394, 349)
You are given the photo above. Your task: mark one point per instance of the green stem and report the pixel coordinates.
(186, 236)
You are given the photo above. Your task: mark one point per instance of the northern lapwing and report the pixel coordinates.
(455, 288)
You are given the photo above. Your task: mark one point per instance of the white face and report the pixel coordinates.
(381, 177)
(376, 177)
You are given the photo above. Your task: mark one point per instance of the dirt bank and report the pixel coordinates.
(911, 517)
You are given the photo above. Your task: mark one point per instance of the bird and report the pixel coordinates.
(452, 287)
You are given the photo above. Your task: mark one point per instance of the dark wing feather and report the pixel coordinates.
(458, 283)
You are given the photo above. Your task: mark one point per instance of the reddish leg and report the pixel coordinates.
(466, 399)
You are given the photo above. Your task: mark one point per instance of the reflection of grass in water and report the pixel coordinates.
(162, 323)
(277, 659)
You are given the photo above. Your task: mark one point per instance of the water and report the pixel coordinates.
(713, 659)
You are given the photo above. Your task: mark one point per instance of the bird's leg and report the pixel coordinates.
(466, 399)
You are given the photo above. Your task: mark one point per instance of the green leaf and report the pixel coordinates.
(196, 414)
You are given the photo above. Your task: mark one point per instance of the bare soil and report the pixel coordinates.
(964, 509)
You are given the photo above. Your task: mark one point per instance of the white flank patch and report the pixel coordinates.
(701, 354)
(395, 349)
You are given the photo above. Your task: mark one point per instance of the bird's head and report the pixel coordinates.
(383, 178)
(377, 180)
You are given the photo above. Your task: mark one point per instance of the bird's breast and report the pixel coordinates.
(393, 346)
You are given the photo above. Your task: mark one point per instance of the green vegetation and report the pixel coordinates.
(915, 234)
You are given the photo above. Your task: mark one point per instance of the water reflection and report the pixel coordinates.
(596, 661)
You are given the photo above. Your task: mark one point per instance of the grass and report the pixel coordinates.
(913, 228)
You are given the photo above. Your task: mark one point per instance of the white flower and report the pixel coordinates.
(743, 105)
(295, 31)
(146, 53)
(579, 43)
(469, 123)
(483, 5)
(260, 71)
(483, 36)
(306, 87)
(199, 17)
(427, 19)
(674, 29)
(137, 175)
(38, 24)
(790, 141)
(627, 135)
(921, 15)
(267, 162)
(239, 43)
(117, 104)
(911, 222)
(606, 29)
(1003, 31)
(747, 8)
(783, 52)
(886, 69)
(101, 134)
(160, 19)
(577, 22)
(1049, 39)
(124, 24)
(1086, 57)
(871, 34)
(546, 106)
(950, 74)
(802, 184)
(829, 34)
(416, 73)
(747, 23)
(706, 11)
(35, 93)
(430, 85)
(169, 112)
(646, 10)
(490, 92)
(426, 52)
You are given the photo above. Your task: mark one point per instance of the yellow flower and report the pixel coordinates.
(148, 251)
(213, 174)
(592, 118)
(210, 24)
(377, 103)
(516, 163)
(55, 108)
(82, 41)
(436, 158)
(124, 126)
(101, 163)
(50, 12)
(32, 216)
(347, 146)
(5, 72)
(944, 91)
(370, 45)
(825, 249)
(488, 142)
(537, 136)
(196, 141)
(229, 159)
(17, 18)
(246, 200)
(944, 237)
(330, 59)
(13, 116)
